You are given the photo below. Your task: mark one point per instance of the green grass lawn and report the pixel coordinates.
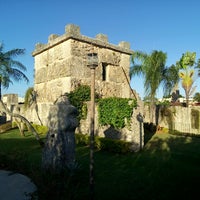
(167, 168)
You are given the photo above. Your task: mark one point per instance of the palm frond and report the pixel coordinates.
(135, 70)
(1, 47)
(17, 75)
(10, 68)
(17, 64)
(15, 52)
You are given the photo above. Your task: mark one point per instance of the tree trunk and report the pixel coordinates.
(187, 99)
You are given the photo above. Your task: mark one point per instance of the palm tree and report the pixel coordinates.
(187, 72)
(152, 68)
(11, 68)
(170, 79)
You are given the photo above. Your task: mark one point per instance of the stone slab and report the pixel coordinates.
(15, 186)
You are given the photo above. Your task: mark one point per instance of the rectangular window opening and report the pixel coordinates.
(104, 71)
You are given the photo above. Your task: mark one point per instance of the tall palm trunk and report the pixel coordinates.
(152, 110)
(187, 98)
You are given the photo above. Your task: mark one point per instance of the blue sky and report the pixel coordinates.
(172, 26)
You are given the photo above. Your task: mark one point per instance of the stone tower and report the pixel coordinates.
(61, 65)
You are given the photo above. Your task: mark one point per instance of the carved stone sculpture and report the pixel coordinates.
(59, 149)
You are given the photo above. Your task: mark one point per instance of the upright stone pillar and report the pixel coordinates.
(59, 150)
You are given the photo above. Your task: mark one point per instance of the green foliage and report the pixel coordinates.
(187, 59)
(40, 128)
(11, 68)
(164, 103)
(187, 67)
(77, 98)
(82, 139)
(115, 111)
(107, 144)
(197, 97)
(162, 170)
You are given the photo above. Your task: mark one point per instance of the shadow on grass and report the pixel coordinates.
(167, 168)
(149, 131)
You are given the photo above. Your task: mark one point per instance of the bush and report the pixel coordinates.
(107, 144)
(82, 139)
(116, 111)
(40, 128)
(78, 97)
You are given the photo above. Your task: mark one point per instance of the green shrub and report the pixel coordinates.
(115, 111)
(107, 144)
(82, 139)
(40, 128)
(77, 98)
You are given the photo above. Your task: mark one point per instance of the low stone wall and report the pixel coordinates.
(133, 133)
(183, 119)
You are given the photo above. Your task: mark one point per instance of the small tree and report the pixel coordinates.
(186, 67)
(197, 97)
(151, 67)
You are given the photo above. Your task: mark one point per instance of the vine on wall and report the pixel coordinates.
(112, 111)
(78, 97)
(115, 111)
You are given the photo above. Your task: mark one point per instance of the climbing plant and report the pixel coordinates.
(115, 111)
(78, 97)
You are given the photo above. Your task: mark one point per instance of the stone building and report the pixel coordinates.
(61, 65)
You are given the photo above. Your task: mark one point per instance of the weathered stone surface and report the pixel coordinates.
(64, 59)
(59, 150)
(66, 56)
(72, 29)
(102, 37)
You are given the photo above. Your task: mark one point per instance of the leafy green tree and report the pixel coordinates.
(196, 97)
(152, 68)
(11, 68)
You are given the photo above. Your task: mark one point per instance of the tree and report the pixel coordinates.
(170, 79)
(11, 68)
(198, 67)
(196, 97)
(152, 68)
(186, 66)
